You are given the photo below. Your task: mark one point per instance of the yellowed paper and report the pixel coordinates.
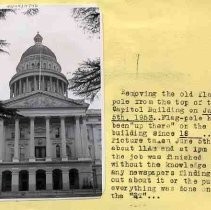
(152, 46)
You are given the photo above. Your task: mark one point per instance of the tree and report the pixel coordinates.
(7, 113)
(88, 19)
(3, 44)
(4, 12)
(29, 12)
(86, 80)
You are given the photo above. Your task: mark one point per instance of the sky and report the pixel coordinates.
(60, 32)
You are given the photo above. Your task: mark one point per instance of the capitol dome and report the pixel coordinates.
(38, 48)
(38, 69)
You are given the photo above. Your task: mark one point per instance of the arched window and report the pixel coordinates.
(6, 181)
(58, 153)
(32, 65)
(23, 180)
(57, 179)
(74, 179)
(40, 180)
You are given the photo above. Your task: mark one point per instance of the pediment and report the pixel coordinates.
(41, 100)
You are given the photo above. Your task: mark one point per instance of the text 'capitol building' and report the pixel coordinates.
(54, 148)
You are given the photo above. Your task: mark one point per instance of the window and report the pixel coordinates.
(12, 135)
(22, 136)
(11, 153)
(6, 181)
(99, 135)
(40, 180)
(40, 151)
(57, 133)
(58, 151)
(22, 155)
(90, 150)
(68, 151)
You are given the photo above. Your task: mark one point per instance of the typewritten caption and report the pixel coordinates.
(160, 143)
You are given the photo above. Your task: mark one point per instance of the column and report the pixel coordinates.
(49, 179)
(62, 88)
(2, 140)
(39, 82)
(15, 89)
(66, 91)
(11, 91)
(16, 143)
(65, 178)
(95, 136)
(27, 84)
(48, 143)
(0, 181)
(15, 179)
(48, 83)
(57, 85)
(20, 86)
(78, 138)
(31, 155)
(35, 83)
(32, 179)
(51, 84)
(98, 177)
(63, 137)
(85, 139)
(43, 83)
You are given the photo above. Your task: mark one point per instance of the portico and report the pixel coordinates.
(80, 147)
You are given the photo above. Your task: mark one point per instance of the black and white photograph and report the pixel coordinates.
(50, 101)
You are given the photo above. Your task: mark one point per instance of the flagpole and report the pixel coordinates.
(40, 72)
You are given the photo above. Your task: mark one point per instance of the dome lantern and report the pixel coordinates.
(38, 39)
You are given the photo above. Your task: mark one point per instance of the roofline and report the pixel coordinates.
(55, 95)
(93, 112)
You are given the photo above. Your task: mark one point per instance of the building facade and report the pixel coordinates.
(53, 149)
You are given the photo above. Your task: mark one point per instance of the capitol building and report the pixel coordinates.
(53, 149)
